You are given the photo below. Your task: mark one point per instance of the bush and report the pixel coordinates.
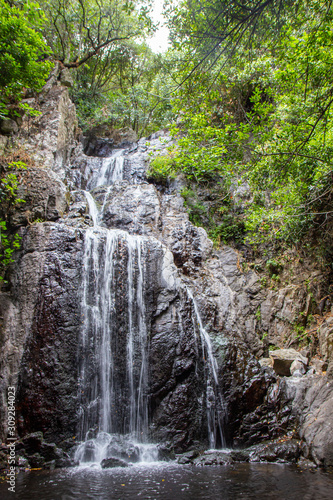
(162, 169)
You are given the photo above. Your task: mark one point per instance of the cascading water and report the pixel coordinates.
(214, 399)
(113, 390)
(113, 357)
(111, 170)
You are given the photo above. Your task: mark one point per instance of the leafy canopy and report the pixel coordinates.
(22, 49)
(262, 113)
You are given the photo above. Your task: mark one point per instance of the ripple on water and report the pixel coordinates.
(170, 481)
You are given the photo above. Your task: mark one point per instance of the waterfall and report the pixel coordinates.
(214, 399)
(113, 357)
(113, 352)
(111, 170)
(93, 210)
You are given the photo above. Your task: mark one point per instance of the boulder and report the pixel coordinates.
(8, 126)
(311, 398)
(268, 362)
(319, 366)
(36, 461)
(297, 368)
(44, 196)
(284, 358)
(282, 451)
(213, 458)
(111, 462)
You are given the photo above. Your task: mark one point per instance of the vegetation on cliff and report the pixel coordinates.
(246, 86)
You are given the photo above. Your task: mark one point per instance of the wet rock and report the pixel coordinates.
(44, 197)
(89, 451)
(297, 368)
(111, 462)
(3, 144)
(187, 458)
(213, 458)
(40, 453)
(166, 451)
(330, 370)
(183, 460)
(123, 208)
(305, 463)
(283, 360)
(36, 461)
(50, 451)
(30, 443)
(42, 316)
(102, 139)
(282, 451)
(123, 449)
(318, 365)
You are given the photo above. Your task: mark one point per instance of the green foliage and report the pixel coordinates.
(9, 242)
(132, 94)
(22, 53)
(230, 230)
(162, 169)
(261, 114)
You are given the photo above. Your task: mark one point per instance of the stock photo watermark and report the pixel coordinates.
(11, 439)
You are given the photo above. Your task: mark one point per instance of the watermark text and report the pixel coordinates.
(11, 439)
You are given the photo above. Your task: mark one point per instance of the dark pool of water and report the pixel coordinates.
(174, 482)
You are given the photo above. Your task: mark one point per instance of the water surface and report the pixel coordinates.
(170, 481)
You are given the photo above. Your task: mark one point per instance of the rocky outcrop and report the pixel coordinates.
(287, 361)
(326, 339)
(311, 400)
(44, 197)
(49, 138)
(41, 319)
(188, 289)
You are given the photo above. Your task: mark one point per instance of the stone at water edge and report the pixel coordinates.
(283, 360)
(213, 458)
(111, 462)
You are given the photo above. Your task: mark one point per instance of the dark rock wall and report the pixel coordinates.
(47, 385)
(41, 316)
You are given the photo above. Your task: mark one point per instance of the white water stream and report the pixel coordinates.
(113, 384)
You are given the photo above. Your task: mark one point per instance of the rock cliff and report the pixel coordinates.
(188, 289)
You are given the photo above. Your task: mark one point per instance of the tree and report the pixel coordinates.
(79, 30)
(263, 116)
(210, 30)
(22, 52)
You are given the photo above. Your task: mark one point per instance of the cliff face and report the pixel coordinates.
(164, 267)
